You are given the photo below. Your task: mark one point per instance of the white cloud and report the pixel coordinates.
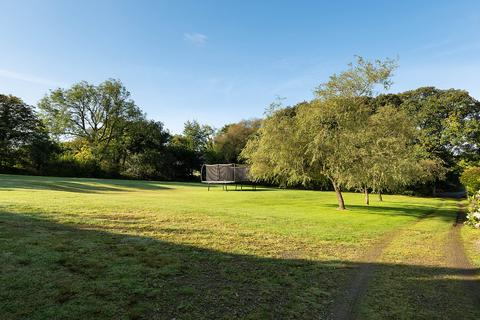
(28, 78)
(195, 38)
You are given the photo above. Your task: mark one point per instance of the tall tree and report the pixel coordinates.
(389, 157)
(198, 137)
(449, 120)
(308, 142)
(97, 114)
(361, 79)
(232, 138)
(23, 138)
(144, 151)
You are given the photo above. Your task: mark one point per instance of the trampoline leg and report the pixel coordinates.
(208, 187)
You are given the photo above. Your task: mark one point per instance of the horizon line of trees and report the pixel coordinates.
(349, 137)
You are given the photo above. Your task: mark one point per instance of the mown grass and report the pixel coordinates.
(419, 269)
(471, 238)
(88, 248)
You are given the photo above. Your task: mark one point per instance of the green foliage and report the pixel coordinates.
(342, 140)
(470, 178)
(97, 114)
(342, 136)
(24, 141)
(360, 79)
(473, 217)
(388, 157)
(197, 137)
(232, 138)
(449, 121)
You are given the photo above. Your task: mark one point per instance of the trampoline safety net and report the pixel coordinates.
(225, 174)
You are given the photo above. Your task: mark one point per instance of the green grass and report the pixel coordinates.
(103, 249)
(471, 237)
(419, 269)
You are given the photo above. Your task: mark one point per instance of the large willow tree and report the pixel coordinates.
(340, 136)
(308, 142)
(339, 139)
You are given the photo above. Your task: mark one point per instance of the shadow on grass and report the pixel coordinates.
(52, 270)
(405, 209)
(80, 185)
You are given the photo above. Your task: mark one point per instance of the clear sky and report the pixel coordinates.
(223, 61)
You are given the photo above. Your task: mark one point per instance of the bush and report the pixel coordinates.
(137, 167)
(473, 217)
(470, 178)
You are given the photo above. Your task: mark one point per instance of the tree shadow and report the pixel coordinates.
(405, 209)
(77, 185)
(52, 270)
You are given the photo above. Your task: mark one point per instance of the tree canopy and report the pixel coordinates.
(23, 138)
(97, 114)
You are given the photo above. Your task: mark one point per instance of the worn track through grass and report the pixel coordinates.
(458, 259)
(347, 306)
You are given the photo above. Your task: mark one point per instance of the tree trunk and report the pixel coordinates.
(338, 192)
(367, 198)
(380, 198)
(434, 191)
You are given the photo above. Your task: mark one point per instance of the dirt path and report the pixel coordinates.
(347, 305)
(457, 259)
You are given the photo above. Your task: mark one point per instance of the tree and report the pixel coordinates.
(197, 137)
(23, 138)
(390, 157)
(310, 141)
(471, 179)
(144, 153)
(97, 114)
(184, 161)
(449, 121)
(232, 138)
(360, 79)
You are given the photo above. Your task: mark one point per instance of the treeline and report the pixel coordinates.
(347, 137)
(99, 131)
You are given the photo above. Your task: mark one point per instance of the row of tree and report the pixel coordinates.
(347, 137)
(98, 131)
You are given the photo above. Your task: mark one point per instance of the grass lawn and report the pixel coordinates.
(113, 249)
(472, 244)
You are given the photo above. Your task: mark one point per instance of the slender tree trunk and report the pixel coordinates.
(338, 192)
(434, 191)
(380, 198)
(367, 198)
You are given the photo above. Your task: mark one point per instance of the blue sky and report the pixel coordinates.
(223, 61)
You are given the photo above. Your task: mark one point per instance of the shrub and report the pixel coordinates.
(473, 217)
(470, 178)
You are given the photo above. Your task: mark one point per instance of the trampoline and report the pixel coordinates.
(226, 174)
